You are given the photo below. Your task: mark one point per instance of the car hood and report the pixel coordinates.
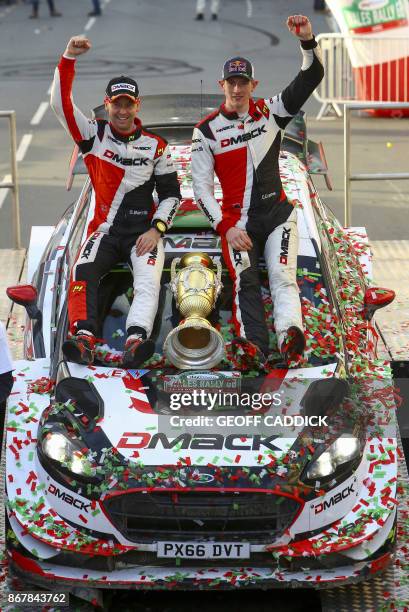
(139, 423)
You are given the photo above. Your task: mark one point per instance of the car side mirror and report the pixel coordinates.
(375, 298)
(25, 295)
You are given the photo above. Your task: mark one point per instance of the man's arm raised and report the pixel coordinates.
(286, 104)
(72, 119)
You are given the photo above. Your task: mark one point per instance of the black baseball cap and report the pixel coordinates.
(238, 66)
(122, 86)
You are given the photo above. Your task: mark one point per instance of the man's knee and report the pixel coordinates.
(249, 280)
(84, 272)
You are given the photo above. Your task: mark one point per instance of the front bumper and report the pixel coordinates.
(127, 571)
(46, 574)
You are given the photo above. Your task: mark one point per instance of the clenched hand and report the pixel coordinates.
(77, 45)
(300, 26)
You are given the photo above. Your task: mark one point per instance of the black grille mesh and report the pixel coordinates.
(258, 517)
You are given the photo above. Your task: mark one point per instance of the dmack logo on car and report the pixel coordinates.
(175, 243)
(126, 161)
(226, 142)
(238, 441)
(68, 499)
(335, 499)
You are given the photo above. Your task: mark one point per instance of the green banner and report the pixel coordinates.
(368, 14)
(371, 13)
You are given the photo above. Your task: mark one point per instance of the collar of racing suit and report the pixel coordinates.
(134, 135)
(253, 111)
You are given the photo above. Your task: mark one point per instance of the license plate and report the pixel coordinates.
(204, 550)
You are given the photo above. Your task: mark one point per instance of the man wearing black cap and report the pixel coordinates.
(241, 143)
(125, 163)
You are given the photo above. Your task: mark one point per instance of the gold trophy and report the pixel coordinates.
(195, 343)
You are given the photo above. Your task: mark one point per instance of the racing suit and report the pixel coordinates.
(124, 171)
(244, 153)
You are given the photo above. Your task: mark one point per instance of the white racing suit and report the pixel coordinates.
(244, 153)
(124, 171)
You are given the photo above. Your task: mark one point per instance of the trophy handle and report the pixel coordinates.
(218, 279)
(173, 272)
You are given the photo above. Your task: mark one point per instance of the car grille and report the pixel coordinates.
(253, 517)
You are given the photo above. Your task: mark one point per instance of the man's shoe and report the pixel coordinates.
(199, 17)
(95, 14)
(246, 355)
(293, 344)
(55, 14)
(137, 350)
(214, 17)
(80, 348)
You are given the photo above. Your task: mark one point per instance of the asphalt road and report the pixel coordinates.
(161, 45)
(157, 42)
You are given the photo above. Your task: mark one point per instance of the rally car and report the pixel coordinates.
(109, 484)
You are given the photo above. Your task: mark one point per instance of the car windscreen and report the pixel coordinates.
(320, 321)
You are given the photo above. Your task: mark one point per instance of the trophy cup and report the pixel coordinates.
(195, 343)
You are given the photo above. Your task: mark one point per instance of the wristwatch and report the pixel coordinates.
(159, 225)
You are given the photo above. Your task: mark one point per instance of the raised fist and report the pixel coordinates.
(77, 45)
(300, 26)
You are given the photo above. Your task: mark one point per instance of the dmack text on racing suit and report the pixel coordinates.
(244, 152)
(124, 171)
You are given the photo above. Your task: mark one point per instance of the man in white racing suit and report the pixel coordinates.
(125, 163)
(240, 142)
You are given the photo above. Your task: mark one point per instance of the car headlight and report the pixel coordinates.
(60, 448)
(343, 450)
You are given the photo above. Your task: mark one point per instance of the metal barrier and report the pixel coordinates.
(13, 184)
(356, 70)
(348, 177)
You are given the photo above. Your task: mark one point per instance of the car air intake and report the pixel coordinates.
(145, 517)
